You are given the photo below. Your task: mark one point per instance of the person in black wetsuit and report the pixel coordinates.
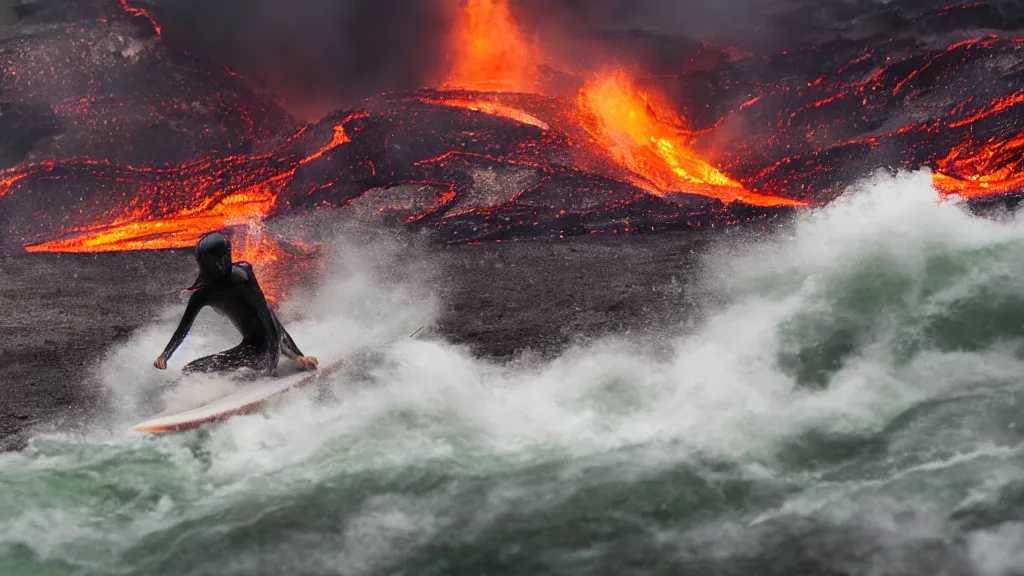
(231, 288)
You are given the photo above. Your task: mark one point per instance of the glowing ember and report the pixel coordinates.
(635, 128)
(491, 52)
(492, 108)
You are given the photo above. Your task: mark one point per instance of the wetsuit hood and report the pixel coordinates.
(213, 255)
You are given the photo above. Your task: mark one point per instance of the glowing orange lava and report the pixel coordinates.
(6, 182)
(999, 105)
(638, 129)
(492, 108)
(970, 171)
(226, 203)
(491, 53)
(340, 137)
(143, 13)
(176, 230)
(641, 134)
(273, 266)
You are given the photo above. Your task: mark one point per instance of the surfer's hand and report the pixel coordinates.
(160, 363)
(307, 362)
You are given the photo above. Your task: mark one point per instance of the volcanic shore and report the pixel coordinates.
(561, 200)
(502, 301)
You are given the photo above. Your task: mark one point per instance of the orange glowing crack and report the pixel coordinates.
(340, 137)
(999, 105)
(492, 108)
(144, 13)
(952, 47)
(751, 102)
(7, 182)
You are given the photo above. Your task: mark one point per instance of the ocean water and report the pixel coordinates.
(854, 407)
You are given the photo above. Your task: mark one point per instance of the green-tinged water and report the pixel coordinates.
(855, 409)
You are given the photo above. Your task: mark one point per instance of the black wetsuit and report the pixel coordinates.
(238, 296)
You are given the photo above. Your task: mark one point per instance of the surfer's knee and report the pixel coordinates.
(202, 365)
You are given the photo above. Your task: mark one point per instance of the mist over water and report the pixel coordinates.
(852, 409)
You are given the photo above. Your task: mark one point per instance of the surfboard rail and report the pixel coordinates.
(207, 414)
(182, 422)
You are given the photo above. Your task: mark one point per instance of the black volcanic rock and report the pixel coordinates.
(24, 127)
(88, 78)
(466, 175)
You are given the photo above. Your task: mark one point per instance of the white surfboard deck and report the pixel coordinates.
(249, 398)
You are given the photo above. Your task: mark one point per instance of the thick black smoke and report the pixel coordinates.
(317, 55)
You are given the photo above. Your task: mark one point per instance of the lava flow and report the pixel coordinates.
(489, 107)
(636, 127)
(491, 52)
(738, 134)
(975, 169)
(637, 130)
(972, 171)
(180, 228)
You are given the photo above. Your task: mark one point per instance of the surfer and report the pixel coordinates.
(231, 288)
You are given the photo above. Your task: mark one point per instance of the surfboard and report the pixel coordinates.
(250, 398)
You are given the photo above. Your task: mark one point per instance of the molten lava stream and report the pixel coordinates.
(489, 107)
(973, 170)
(246, 210)
(491, 53)
(140, 229)
(633, 126)
(177, 230)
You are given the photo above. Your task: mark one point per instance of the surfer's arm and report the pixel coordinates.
(288, 346)
(195, 303)
(290, 349)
